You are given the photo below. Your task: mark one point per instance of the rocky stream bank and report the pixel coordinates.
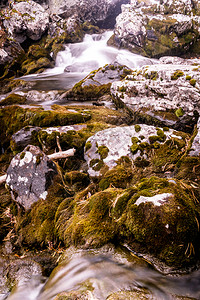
(133, 177)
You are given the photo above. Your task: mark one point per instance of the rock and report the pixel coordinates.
(15, 273)
(25, 19)
(24, 137)
(101, 13)
(34, 96)
(159, 89)
(12, 99)
(156, 29)
(195, 149)
(105, 148)
(97, 83)
(29, 176)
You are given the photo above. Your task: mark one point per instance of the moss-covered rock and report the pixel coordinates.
(13, 99)
(155, 30)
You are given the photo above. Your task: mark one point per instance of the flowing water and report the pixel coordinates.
(79, 59)
(101, 275)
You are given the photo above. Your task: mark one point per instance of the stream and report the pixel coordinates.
(79, 59)
(99, 276)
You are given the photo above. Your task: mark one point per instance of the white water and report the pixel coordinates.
(107, 276)
(82, 58)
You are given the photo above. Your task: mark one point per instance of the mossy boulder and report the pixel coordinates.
(147, 147)
(155, 30)
(97, 83)
(25, 19)
(13, 99)
(15, 118)
(29, 66)
(165, 222)
(161, 99)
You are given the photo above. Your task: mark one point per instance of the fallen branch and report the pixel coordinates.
(62, 154)
(3, 179)
(56, 155)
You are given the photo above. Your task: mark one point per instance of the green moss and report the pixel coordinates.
(188, 77)
(165, 128)
(37, 226)
(122, 89)
(95, 226)
(13, 99)
(77, 180)
(193, 82)
(103, 151)
(22, 155)
(157, 228)
(177, 74)
(179, 112)
(161, 135)
(88, 145)
(96, 164)
(153, 75)
(118, 177)
(137, 128)
(141, 162)
(135, 140)
(134, 148)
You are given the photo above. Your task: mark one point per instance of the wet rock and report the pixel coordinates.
(105, 148)
(41, 96)
(159, 89)
(12, 99)
(155, 28)
(24, 137)
(97, 83)
(29, 176)
(24, 20)
(15, 273)
(101, 13)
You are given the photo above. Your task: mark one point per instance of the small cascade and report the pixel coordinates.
(79, 59)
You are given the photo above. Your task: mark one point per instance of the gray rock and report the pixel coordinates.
(98, 12)
(161, 87)
(24, 137)
(10, 51)
(29, 175)
(24, 20)
(117, 142)
(106, 74)
(155, 28)
(15, 274)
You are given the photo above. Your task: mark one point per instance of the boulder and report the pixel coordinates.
(157, 28)
(104, 149)
(16, 273)
(25, 19)
(29, 176)
(24, 137)
(97, 83)
(166, 91)
(101, 13)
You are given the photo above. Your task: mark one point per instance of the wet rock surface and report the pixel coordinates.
(29, 176)
(155, 29)
(161, 89)
(101, 13)
(26, 20)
